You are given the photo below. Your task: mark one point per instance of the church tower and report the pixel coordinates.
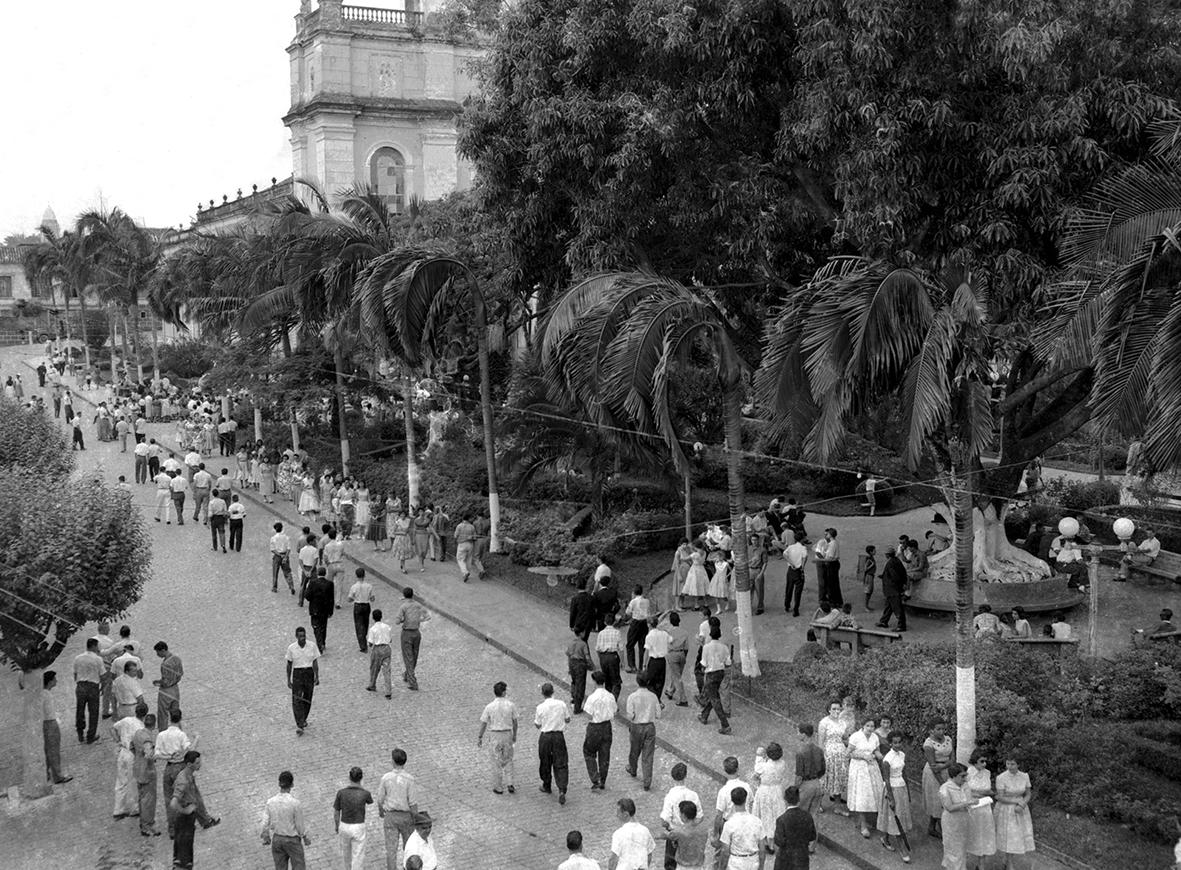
(375, 94)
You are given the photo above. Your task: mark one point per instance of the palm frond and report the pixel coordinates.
(926, 391)
(564, 314)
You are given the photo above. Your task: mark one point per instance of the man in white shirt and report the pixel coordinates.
(715, 658)
(656, 652)
(631, 844)
(153, 458)
(577, 860)
(126, 789)
(601, 707)
(179, 488)
(603, 570)
(499, 720)
(725, 802)
(362, 597)
(741, 843)
(1144, 553)
(128, 691)
(828, 567)
(550, 719)
(670, 810)
(218, 511)
(377, 641)
(420, 843)
(281, 558)
(141, 462)
(223, 484)
(171, 463)
(303, 675)
(236, 512)
(796, 555)
(397, 805)
(192, 463)
(202, 487)
(643, 709)
(309, 556)
(334, 562)
(171, 745)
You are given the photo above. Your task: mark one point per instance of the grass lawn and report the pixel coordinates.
(1097, 843)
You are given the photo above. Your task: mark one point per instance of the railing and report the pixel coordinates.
(369, 15)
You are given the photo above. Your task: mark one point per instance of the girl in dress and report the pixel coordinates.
(954, 800)
(770, 778)
(885, 726)
(831, 735)
(400, 539)
(309, 502)
(682, 559)
(325, 487)
(242, 472)
(719, 587)
(981, 824)
(422, 537)
(299, 474)
(266, 478)
(696, 583)
(347, 511)
(376, 531)
(361, 510)
(937, 750)
(865, 777)
(433, 533)
(894, 817)
(1014, 827)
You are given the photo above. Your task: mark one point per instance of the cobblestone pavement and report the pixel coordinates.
(218, 613)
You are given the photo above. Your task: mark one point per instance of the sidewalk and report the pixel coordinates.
(534, 633)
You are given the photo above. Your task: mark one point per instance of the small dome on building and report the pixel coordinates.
(49, 219)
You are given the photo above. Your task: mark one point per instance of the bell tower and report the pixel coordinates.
(375, 95)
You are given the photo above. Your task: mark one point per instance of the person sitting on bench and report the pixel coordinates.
(1144, 553)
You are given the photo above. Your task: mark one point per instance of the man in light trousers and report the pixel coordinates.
(465, 545)
(499, 720)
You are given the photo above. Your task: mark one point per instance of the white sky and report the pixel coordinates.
(150, 106)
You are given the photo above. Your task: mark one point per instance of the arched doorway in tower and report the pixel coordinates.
(387, 173)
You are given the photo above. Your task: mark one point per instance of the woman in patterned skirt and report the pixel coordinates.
(894, 817)
(937, 750)
(832, 737)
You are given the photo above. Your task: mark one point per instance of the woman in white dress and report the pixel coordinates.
(981, 824)
(719, 586)
(770, 778)
(682, 559)
(894, 817)
(1014, 827)
(864, 789)
(831, 736)
(696, 580)
(361, 511)
(309, 501)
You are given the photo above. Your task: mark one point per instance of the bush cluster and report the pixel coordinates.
(1096, 739)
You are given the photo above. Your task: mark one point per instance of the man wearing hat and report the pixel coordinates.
(420, 845)
(893, 585)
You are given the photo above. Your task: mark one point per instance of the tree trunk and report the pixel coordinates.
(411, 458)
(294, 429)
(111, 336)
(85, 338)
(155, 352)
(34, 782)
(338, 364)
(257, 422)
(126, 349)
(489, 432)
(965, 651)
(688, 480)
(747, 653)
(136, 343)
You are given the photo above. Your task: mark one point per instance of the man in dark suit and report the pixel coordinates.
(795, 834)
(321, 598)
(893, 585)
(606, 603)
(582, 612)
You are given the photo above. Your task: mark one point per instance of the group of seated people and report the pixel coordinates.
(1014, 625)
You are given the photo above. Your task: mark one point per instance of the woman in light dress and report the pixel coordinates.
(400, 539)
(361, 510)
(894, 818)
(682, 559)
(937, 751)
(243, 469)
(770, 779)
(696, 583)
(325, 487)
(981, 824)
(434, 548)
(719, 586)
(309, 500)
(266, 477)
(1014, 827)
(954, 800)
(376, 530)
(865, 786)
(347, 512)
(422, 536)
(832, 735)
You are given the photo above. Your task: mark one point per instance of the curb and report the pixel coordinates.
(707, 770)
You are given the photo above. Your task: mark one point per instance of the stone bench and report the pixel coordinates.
(857, 639)
(1052, 645)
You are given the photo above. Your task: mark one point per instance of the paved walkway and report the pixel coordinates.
(218, 613)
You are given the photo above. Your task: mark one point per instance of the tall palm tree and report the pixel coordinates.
(402, 295)
(65, 258)
(862, 330)
(610, 343)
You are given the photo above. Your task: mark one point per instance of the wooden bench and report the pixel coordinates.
(1166, 566)
(856, 639)
(1052, 645)
(1140, 639)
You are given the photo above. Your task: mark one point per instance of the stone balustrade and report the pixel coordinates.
(370, 15)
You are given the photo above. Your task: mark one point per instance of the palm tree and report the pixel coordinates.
(610, 343)
(402, 295)
(65, 258)
(862, 330)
